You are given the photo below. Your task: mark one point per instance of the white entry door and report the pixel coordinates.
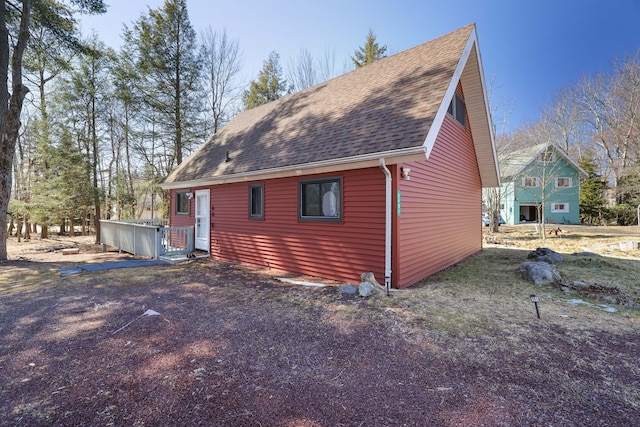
(202, 220)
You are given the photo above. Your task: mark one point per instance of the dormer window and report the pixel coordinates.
(457, 110)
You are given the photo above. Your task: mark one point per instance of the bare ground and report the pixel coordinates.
(232, 346)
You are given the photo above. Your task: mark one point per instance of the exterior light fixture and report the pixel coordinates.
(404, 173)
(535, 300)
(189, 195)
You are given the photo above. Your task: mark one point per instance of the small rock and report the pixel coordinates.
(579, 285)
(366, 289)
(349, 289)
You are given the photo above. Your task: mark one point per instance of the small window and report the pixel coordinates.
(563, 182)
(548, 156)
(457, 110)
(560, 207)
(182, 203)
(256, 201)
(529, 181)
(320, 199)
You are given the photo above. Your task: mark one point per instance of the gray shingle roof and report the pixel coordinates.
(515, 162)
(512, 163)
(384, 107)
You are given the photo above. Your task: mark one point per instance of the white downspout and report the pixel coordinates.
(387, 230)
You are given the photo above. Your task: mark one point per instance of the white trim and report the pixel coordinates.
(525, 178)
(434, 130)
(487, 110)
(555, 209)
(204, 242)
(356, 162)
(564, 186)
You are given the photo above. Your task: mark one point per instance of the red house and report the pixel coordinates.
(380, 170)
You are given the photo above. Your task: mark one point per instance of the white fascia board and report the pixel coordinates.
(348, 163)
(485, 97)
(448, 96)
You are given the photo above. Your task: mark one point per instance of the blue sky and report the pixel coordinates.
(531, 50)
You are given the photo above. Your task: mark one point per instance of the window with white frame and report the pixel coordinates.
(256, 201)
(530, 181)
(564, 182)
(320, 199)
(457, 110)
(560, 207)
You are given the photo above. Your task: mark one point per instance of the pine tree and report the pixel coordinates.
(592, 203)
(66, 192)
(371, 52)
(164, 45)
(15, 25)
(269, 86)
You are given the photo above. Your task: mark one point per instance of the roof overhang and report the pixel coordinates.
(469, 73)
(326, 166)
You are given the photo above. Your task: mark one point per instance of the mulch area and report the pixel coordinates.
(233, 347)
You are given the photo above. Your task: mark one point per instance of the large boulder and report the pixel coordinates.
(546, 255)
(540, 273)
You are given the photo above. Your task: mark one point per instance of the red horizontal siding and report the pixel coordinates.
(181, 220)
(340, 251)
(441, 204)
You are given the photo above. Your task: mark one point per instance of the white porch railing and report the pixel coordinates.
(146, 237)
(175, 240)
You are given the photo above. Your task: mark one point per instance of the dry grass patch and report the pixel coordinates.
(234, 345)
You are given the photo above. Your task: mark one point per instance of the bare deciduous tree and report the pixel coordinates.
(302, 71)
(610, 106)
(222, 62)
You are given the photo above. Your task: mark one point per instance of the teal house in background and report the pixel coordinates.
(540, 184)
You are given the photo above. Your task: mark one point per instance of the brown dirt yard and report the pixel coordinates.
(233, 346)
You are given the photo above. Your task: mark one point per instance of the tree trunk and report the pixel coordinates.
(10, 108)
(128, 160)
(27, 228)
(543, 230)
(44, 231)
(19, 229)
(72, 226)
(85, 223)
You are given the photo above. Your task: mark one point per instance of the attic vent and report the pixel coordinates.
(227, 159)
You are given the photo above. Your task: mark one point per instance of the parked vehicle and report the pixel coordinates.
(486, 219)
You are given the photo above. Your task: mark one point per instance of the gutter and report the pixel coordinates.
(322, 166)
(387, 231)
